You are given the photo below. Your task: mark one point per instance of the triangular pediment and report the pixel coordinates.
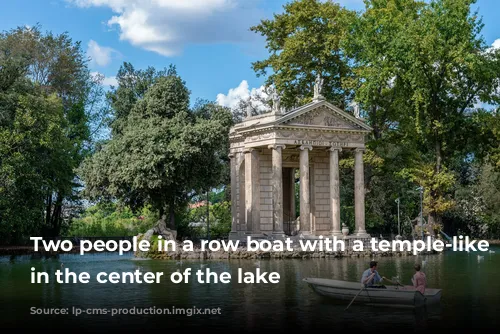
(322, 114)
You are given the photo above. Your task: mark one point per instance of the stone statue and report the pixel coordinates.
(249, 108)
(272, 92)
(318, 87)
(276, 103)
(356, 109)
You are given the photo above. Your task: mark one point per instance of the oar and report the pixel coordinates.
(397, 283)
(354, 297)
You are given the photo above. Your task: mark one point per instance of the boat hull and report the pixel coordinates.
(391, 296)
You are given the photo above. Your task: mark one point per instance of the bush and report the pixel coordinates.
(112, 220)
(219, 219)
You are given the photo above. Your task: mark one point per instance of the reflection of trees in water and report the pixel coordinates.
(399, 270)
(248, 294)
(277, 309)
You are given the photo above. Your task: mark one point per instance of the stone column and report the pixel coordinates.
(305, 202)
(335, 190)
(252, 191)
(234, 214)
(277, 186)
(292, 194)
(359, 193)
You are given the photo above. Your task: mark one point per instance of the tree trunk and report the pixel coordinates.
(434, 217)
(439, 156)
(48, 209)
(171, 209)
(56, 216)
(375, 125)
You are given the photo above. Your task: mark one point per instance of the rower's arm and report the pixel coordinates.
(369, 278)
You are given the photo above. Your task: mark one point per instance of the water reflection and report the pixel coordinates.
(471, 291)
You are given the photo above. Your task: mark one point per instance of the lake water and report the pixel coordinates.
(470, 297)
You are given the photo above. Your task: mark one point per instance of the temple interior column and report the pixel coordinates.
(252, 191)
(248, 189)
(359, 193)
(335, 190)
(277, 186)
(234, 214)
(292, 195)
(305, 199)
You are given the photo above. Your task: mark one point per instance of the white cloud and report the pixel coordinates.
(496, 44)
(100, 55)
(167, 26)
(257, 97)
(106, 81)
(110, 81)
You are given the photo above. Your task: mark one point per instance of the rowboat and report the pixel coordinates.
(392, 295)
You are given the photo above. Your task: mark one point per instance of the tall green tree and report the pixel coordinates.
(421, 67)
(416, 68)
(35, 66)
(32, 155)
(164, 150)
(132, 86)
(305, 41)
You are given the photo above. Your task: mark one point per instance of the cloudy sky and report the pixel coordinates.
(208, 40)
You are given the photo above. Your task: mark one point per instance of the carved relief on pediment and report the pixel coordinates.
(315, 135)
(300, 134)
(323, 117)
(329, 136)
(284, 133)
(260, 136)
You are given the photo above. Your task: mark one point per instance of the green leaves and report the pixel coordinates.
(303, 41)
(161, 150)
(33, 160)
(417, 69)
(48, 103)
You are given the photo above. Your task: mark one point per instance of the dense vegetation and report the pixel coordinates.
(420, 72)
(109, 219)
(47, 118)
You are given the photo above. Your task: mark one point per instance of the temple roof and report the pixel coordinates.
(317, 115)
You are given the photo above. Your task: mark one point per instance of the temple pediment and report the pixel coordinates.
(323, 115)
(318, 123)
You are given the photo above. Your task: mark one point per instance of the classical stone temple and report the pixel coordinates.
(266, 150)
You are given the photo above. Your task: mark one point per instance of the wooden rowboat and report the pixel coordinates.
(398, 296)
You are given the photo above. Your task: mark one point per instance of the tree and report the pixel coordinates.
(163, 152)
(132, 85)
(32, 155)
(303, 41)
(421, 68)
(42, 67)
(417, 69)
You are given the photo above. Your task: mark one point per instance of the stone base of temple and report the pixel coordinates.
(307, 235)
(254, 235)
(242, 236)
(362, 235)
(278, 235)
(234, 235)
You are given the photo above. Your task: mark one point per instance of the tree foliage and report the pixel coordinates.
(305, 41)
(417, 69)
(109, 219)
(47, 99)
(162, 151)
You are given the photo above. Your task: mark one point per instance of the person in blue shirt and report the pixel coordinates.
(371, 277)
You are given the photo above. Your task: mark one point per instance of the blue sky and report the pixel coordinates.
(208, 40)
